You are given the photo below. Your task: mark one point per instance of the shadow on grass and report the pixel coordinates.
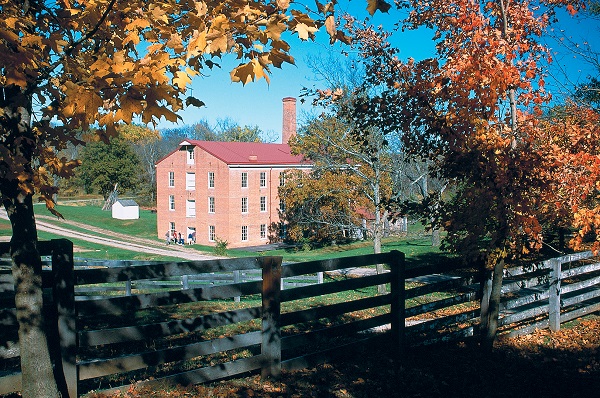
(564, 364)
(539, 365)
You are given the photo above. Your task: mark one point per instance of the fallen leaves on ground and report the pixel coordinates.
(543, 364)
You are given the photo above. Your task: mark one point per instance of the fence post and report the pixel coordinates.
(398, 295)
(484, 306)
(64, 298)
(236, 279)
(271, 314)
(128, 287)
(185, 283)
(554, 295)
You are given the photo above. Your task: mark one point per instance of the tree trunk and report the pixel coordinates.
(436, 239)
(490, 323)
(378, 233)
(36, 365)
(17, 198)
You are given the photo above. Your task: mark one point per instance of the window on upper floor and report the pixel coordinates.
(190, 155)
(211, 204)
(171, 178)
(244, 205)
(211, 179)
(281, 179)
(244, 180)
(190, 208)
(263, 203)
(263, 231)
(263, 179)
(171, 202)
(190, 181)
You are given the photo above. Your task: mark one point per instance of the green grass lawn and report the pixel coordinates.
(144, 227)
(416, 244)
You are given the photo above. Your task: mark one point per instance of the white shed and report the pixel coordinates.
(125, 210)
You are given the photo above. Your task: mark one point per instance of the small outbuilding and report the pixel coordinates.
(125, 209)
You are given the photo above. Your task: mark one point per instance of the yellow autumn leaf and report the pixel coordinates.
(218, 44)
(330, 28)
(304, 31)
(283, 4)
(275, 27)
(197, 44)
(181, 79)
(242, 73)
(201, 8)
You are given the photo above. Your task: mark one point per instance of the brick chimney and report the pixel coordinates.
(289, 119)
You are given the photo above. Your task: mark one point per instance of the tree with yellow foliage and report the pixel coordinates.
(66, 65)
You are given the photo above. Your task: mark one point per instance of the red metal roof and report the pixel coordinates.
(248, 153)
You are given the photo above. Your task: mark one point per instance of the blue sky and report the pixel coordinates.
(259, 104)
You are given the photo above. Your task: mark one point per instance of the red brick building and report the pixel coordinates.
(225, 190)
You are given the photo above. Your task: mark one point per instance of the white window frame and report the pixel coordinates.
(172, 202)
(211, 204)
(212, 233)
(211, 179)
(190, 155)
(171, 179)
(244, 233)
(190, 210)
(244, 205)
(263, 179)
(244, 179)
(263, 204)
(281, 179)
(263, 231)
(190, 181)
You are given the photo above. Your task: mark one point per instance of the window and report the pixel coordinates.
(281, 205)
(211, 179)
(244, 180)
(244, 205)
(190, 181)
(211, 204)
(263, 231)
(190, 156)
(281, 179)
(263, 203)
(211, 233)
(244, 233)
(171, 202)
(172, 226)
(171, 178)
(190, 208)
(263, 179)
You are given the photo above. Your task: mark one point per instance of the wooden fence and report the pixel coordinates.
(194, 335)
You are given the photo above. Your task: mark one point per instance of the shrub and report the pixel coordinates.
(221, 247)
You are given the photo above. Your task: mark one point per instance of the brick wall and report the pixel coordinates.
(228, 192)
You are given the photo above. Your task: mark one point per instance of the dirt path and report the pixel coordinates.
(117, 240)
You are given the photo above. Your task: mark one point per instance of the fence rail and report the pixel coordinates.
(183, 333)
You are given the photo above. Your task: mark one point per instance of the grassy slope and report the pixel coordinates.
(416, 245)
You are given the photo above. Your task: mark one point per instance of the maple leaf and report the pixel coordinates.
(181, 79)
(374, 5)
(194, 102)
(304, 31)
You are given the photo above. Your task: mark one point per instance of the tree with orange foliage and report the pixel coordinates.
(572, 144)
(473, 111)
(68, 64)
